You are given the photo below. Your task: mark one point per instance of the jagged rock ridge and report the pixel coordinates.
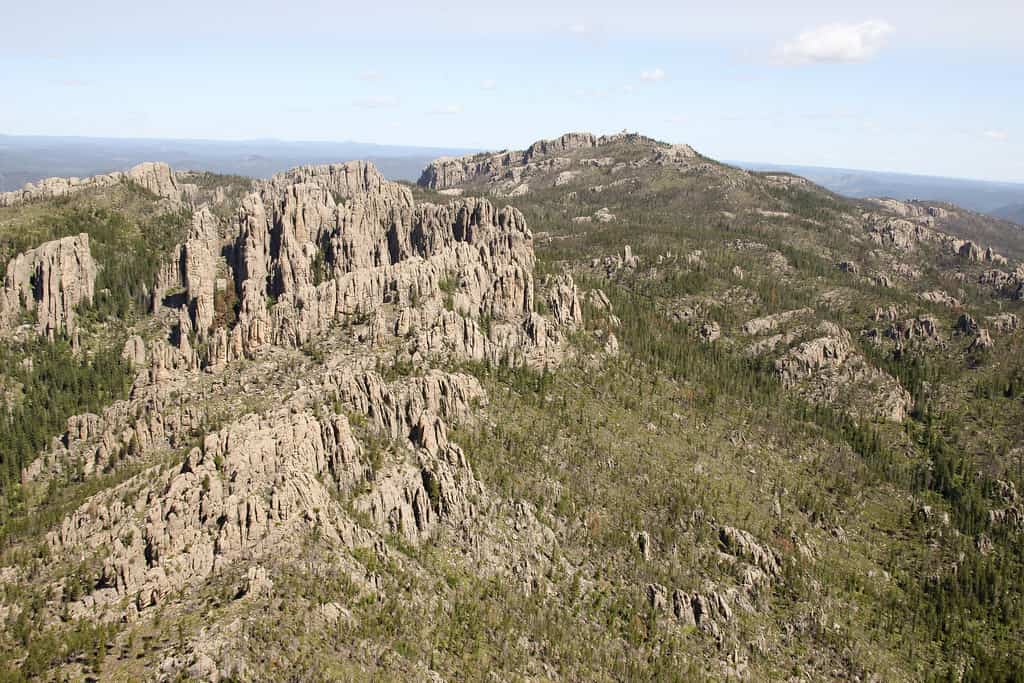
(327, 243)
(513, 168)
(156, 177)
(327, 254)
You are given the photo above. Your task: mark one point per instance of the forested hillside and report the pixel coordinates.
(601, 409)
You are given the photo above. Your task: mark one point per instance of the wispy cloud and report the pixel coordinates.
(839, 115)
(370, 75)
(595, 35)
(488, 84)
(447, 110)
(835, 44)
(656, 74)
(376, 102)
(677, 120)
(996, 135)
(73, 83)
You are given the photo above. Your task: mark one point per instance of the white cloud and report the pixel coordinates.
(578, 29)
(657, 74)
(677, 120)
(447, 110)
(836, 43)
(376, 102)
(371, 75)
(488, 84)
(996, 135)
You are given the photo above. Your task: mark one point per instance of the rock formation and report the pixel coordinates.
(198, 258)
(155, 177)
(508, 170)
(924, 329)
(830, 369)
(319, 252)
(1007, 284)
(1004, 322)
(323, 244)
(49, 282)
(982, 341)
(771, 322)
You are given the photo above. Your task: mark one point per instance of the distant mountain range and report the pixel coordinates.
(1004, 200)
(26, 159)
(1014, 212)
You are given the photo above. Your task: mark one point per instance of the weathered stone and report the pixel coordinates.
(1004, 322)
(923, 329)
(657, 597)
(156, 177)
(643, 542)
(198, 262)
(982, 341)
(940, 297)
(742, 544)
(772, 322)
(710, 331)
(49, 281)
(134, 351)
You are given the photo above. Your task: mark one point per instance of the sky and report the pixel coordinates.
(933, 87)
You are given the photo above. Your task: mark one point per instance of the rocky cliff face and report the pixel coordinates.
(329, 257)
(324, 244)
(156, 177)
(828, 367)
(255, 483)
(49, 282)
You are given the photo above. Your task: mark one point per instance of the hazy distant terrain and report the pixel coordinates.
(1005, 200)
(27, 159)
(1013, 212)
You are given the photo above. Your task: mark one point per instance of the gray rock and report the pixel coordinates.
(49, 281)
(657, 597)
(710, 331)
(643, 542)
(982, 341)
(134, 351)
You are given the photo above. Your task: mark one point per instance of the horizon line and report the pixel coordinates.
(748, 165)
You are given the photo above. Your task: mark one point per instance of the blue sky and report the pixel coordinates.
(922, 87)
